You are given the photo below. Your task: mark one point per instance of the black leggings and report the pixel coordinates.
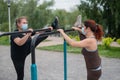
(19, 62)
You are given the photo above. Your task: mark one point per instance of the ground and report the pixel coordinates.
(50, 65)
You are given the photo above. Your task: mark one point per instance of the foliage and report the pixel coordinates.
(104, 12)
(4, 40)
(4, 27)
(39, 14)
(75, 37)
(107, 41)
(118, 41)
(3, 14)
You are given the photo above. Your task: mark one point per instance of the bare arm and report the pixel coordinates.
(77, 29)
(22, 41)
(83, 43)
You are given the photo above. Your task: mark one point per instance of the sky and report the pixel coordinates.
(64, 4)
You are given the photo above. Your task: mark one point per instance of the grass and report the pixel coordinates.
(4, 40)
(59, 48)
(112, 52)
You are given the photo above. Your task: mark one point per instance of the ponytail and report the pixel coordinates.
(95, 28)
(99, 32)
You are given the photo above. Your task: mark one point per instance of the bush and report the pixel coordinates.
(118, 41)
(75, 37)
(107, 41)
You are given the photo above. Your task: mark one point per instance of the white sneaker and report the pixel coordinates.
(78, 21)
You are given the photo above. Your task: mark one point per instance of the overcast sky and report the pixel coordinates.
(64, 4)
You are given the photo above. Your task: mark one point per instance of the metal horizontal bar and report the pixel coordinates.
(44, 34)
(17, 32)
(55, 32)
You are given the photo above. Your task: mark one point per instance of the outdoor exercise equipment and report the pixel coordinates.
(33, 66)
(27, 31)
(33, 62)
(54, 32)
(65, 60)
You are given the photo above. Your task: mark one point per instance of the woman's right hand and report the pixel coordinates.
(60, 30)
(30, 29)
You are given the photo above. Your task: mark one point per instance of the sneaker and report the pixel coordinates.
(55, 23)
(78, 22)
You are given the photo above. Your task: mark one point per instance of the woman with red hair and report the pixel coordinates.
(90, 33)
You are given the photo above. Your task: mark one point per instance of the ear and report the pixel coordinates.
(18, 25)
(88, 28)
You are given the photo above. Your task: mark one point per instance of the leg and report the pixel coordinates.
(19, 67)
(40, 39)
(93, 75)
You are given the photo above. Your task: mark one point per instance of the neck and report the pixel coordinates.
(90, 35)
(19, 29)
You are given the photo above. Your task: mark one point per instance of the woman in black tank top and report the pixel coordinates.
(89, 34)
(20, 45)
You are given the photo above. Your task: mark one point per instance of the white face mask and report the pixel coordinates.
(83, 31)
(24, 26)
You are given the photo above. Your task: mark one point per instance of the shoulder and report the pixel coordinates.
(90, 41)
(15, 35)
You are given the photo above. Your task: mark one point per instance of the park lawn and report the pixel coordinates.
(112, 52)
(5, 40)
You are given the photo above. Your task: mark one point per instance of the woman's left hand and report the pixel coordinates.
(51, 28)
(76, 28)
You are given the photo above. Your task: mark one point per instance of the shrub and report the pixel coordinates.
(75, 37)
(107, 41)
(118, 41)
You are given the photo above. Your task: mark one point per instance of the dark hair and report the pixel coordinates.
(96, 28)
(18, 20)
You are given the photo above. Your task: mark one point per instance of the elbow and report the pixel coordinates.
(71, 44)
(20, 44)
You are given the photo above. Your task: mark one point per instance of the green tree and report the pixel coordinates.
(104, 12)
(3, 15)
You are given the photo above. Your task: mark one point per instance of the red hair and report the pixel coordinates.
(95, 28)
